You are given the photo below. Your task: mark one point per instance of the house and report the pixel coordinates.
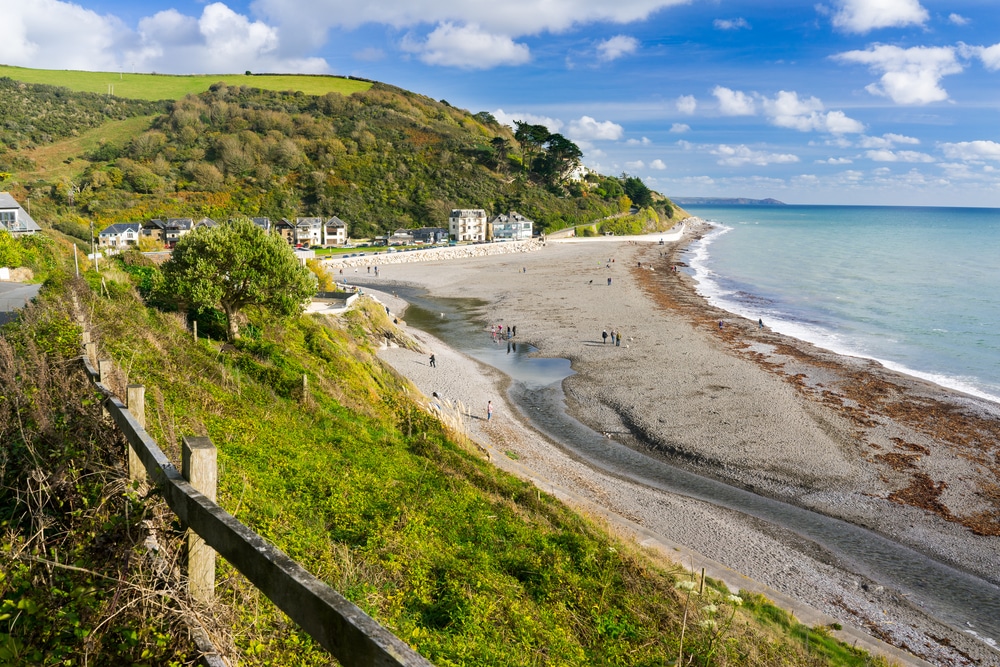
(263, 223)
(15, 219)
(467, 224)
(285, 230)
(155, 229)
(335, 232)
(206, 222)
(511, 227)
(401, 237)
(119, 236)
(168, 231)
(430, 235)
(309, 231)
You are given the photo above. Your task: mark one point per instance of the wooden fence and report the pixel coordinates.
(338, 625)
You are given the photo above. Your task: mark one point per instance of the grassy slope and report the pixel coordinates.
(465, 562)
(172, 87)
(61, 159)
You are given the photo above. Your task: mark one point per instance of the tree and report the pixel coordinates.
(236, 265)
(532, 138)
(637, 191)
(10, 250)
(561, 157)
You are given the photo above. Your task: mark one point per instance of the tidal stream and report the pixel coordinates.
(944, 592)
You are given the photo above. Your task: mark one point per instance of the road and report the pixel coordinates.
(13, 296)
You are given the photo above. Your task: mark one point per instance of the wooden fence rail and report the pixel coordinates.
(342, 628)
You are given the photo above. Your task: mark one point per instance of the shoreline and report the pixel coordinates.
(792, 329)
(615, 397)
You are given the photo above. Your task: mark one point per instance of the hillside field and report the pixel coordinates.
(174, 87)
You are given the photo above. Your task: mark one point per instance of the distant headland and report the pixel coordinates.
(725, 201)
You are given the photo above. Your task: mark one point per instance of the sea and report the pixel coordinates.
(915, 288)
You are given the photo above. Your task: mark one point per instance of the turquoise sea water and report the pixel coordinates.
(915, 288)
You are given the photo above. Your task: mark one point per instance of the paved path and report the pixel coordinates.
(14, 296)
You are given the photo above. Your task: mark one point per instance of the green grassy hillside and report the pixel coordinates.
(381, 159)
(352, 479)
(174, 87)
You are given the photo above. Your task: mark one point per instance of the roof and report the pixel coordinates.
(7, 202)
(335, 222)
(468, 213)
(513, 216)
(120, 228)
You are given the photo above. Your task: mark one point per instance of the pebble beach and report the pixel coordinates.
(722, 396)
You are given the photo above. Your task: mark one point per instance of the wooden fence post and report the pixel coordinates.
(90, 349)
(136, 402)
(199, 466)
(194, 329)
(104, 377)
(104, 371)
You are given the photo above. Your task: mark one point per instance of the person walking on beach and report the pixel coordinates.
(489, 410)
(618, 338)
(760, 323)
(604, 335)
(514, 330)
(433, 362)
(609, 282)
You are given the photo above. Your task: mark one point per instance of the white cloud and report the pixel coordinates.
(734, 102)
(59, 35)
(957, 19)
(731, 24)
(680, 128)
(658, 164)
(909, 76)
(861, 16)
(805, 115)
(738, 156)
(990, 55)
(635, 165)
(587, 128)
(972, 151)
(616, 47)
(888, 140)
(467, 47)
(504, 118)
(220, 40)
(836, 160)
(885, 155)
(645, 141)
(310, 20)
(687, 104)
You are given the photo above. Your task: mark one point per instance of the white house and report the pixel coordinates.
(15, 219)
(309, 231)
(335, 232)
(119, 236)
(467, 224)
(511, 227)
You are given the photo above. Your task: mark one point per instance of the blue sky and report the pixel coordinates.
(828, 102)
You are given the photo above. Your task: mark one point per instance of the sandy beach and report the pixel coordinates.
(738, 403)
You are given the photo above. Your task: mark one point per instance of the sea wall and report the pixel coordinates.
(434, 254)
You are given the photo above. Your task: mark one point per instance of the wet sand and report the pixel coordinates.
(838, 435)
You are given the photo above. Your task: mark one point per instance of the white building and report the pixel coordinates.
(119, 236)
(511, 227)
(15, 219)
(467, 224)
(335, 232)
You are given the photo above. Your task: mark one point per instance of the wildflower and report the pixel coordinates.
(734, 600)
(685, 585)
(709, 624)
(709, 609)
